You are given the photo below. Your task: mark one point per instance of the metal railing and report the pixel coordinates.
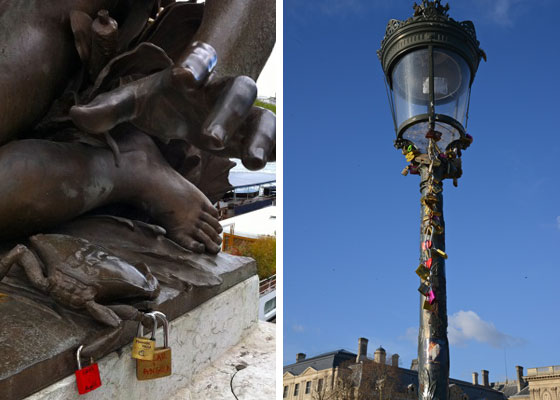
(267, 285)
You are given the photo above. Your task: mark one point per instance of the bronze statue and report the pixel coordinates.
(79, 274)
(143, 121)
(129, 108)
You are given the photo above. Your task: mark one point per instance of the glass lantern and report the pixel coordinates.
(429, 62)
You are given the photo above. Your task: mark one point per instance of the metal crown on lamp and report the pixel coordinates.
(429, 62)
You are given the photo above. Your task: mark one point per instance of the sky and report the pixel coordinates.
(266, 84)
(351, 220)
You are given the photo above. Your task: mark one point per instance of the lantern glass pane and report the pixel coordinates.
(451, 84)
(417, 135)
(410, 88)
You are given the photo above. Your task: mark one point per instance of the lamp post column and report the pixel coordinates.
(430, 61)
(433, 346)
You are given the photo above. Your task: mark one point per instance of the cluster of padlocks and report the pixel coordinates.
(431, 222)
(151, 362)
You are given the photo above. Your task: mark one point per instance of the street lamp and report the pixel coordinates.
(429, 62)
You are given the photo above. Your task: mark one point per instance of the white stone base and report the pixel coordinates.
(197, 339)
(255, 382)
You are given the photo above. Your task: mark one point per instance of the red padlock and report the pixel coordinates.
(428, 263)
(427, 244)
(433, 134)
(87, 378)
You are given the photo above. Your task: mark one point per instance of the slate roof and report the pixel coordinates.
(322, 361)
(406, 376)
(475, 392)
(524, 393)
(509, 389)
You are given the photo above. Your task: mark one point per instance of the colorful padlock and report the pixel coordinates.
(424, 288)
(423, 272)
(87, 378)
(427, 306)
(441, 253)
(142, 348)
(160, 366)
(431, 296)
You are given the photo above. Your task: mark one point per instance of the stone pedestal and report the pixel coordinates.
(197, 339)
(39, 338)
(221, 380)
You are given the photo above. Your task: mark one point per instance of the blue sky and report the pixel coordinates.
(351, 220)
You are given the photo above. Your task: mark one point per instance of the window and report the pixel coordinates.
(285, 392)
(270, 305)
(320, 386)
(308, 387)
(296, 389)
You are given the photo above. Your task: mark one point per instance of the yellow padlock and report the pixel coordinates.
(423, 272)
(160, 365)
(142, 348)
(441, 253)
(427, 306)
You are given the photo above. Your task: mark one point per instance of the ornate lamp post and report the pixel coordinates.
(429, 62)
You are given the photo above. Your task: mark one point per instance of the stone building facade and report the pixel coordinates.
(544, 383)
(321, 378)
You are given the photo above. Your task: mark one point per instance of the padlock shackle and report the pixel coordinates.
(140, 331)
(78, 357)
(163, 318)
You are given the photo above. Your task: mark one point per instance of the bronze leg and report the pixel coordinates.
(44, 183)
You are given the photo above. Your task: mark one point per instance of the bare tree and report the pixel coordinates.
(343, 386)
(379, 382)
(367, 380)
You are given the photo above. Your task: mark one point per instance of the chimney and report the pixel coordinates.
(395, 360)
(379, 355)
(475, 378)
(414, 365)
(520, 382)
(362, 349)
(300, 357)
(485, 381)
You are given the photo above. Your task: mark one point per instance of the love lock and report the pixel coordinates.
(433, 134)
(423, 272)
(425, 159)
(142, 348)
(160, 365)
(87, 378)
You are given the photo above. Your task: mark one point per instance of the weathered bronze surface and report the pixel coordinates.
(130, 109)
(150, 130)
(39, 337)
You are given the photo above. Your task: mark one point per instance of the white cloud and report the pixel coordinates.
(411, 335)
(298, 328)
(467, 325)
(503, 12)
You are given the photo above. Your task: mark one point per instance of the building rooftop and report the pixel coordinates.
(524, 393)
(322, 361)
(406, 376)
(475, 392)
(253, 224)
(507, 388)
(540, 371)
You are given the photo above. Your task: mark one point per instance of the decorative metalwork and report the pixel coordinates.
(431, 11)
